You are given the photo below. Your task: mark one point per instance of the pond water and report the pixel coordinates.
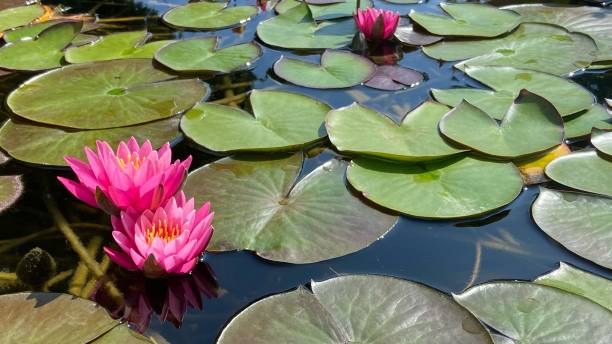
(446, 255)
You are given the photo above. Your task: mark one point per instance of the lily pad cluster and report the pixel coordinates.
(402, 311)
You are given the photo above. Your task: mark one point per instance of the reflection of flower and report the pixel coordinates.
(376, 24)
(168, 240)
(135, 176)
(168, 298)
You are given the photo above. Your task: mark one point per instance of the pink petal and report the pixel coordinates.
(188, 266)
(121, 259)
(79, 191)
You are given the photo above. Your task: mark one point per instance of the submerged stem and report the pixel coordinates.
(82, 272)
(9, 276)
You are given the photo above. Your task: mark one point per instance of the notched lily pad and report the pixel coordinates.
(585, 170)
(44, 145)
(531, 125)
(580, 124)
(336, 10)
(280, 121)
(394, 78)
(338, 69)
(407, 35)
(334, 313)
(208, 15)
(105, 94)
(533, 313)
(41, 53)
(204, 55)
(123, 45)
(566, 96)
(358, 129)
(459, 186)
(477, 20)
(540, 47)
(602, 141)
(18, 16)
(260, 206)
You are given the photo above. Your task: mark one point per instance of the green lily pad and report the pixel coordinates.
(581, 124)
(365, 309)
(202, 54)
(337, 10)
(405, 2)
(43, 52)
(540, 47)
(590, 20)
(477, 20)
(123, 45)
(533, 313)
(105, 94)
(11, 188)
(602, 141)
(19, 16)
(585, 171)
(43, 145)
(576, 281)
(358, 129)
(582, 223)
(460, 186)
(208, 15)
(295, 29)
(259, 206)
(59, 318)
(407, 35)
(531, 125)
(566, 96)
(338, 69)
(28, 31)
(280, 121)
(497, 339)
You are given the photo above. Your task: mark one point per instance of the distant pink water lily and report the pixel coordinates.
(167, 240)
(134, 176)
(376, 24)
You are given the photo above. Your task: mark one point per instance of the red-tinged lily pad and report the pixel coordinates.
(393, 78)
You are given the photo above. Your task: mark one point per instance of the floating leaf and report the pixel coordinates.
(208, 15)
(405, 2)
(323, 2)
(337, 10)
(48, 145)
(203, 55)
(105, 95)
(295, 29)
(393, 78)
(29, 31)
(532, 169)
(357, 129)
(540, 47)
(11, 188)
(44, 52)
(407, 35)
(280, 121)
(59, 318)
(260, 207)
(566, 96)
(497, 339)
(459, 186)
(602, 141)
(531, 125)
(584, 171)
(123, 45)
(581, 124)
(357, 309)
(338, 69)
(477, 20)
(532, 313)
(593, 21)
(18, 16)
(582, 223)
(576, 281)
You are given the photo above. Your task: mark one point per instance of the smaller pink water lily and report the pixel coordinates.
(376, 24)
(168, 240)
(135, 176)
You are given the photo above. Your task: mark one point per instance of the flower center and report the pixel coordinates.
(162, 229)
(132, 159)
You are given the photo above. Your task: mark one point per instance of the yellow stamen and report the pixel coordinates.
(132, 159)
(163, 230)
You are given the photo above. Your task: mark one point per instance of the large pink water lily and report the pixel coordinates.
(168, 240)
(376, 24)
(134, 176)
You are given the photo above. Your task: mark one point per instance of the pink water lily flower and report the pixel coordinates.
(376, 24)
(135, 176)
(168, 240)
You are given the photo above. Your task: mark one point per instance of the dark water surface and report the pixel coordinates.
(445, 255)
